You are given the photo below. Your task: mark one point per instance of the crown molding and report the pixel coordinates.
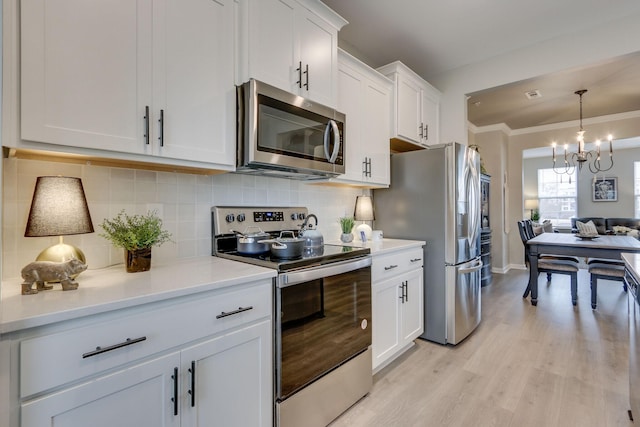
(554, 126)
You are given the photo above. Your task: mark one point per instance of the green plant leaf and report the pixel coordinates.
(135, 231)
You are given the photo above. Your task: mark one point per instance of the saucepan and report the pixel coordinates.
(251, 241)
(285, 247)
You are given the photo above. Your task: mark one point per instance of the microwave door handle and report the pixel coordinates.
(331, 127)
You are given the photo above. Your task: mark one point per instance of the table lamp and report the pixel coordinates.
(363, 212)
(59, 208)
(532, 205)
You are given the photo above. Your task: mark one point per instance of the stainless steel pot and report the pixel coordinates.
(286, 247)
(309, 232)
(251, 242)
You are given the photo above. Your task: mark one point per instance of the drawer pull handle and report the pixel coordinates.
(100, 350)
(391, 267)
(416, 259)
(231, 313)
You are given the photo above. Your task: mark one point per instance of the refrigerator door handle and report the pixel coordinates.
(476, 267)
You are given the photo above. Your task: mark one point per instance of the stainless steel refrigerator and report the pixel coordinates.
(435, 196)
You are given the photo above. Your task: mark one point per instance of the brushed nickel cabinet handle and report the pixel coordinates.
(391, 267)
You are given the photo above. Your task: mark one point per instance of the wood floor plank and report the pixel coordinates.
(550, 365)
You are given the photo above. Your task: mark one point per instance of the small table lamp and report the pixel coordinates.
(531, 205)
(59, 208)
(363, 212)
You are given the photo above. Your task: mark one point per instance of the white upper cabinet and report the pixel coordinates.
(415, 111)
(364, 95)
(148, 77)
(291, 45)
(86, 73)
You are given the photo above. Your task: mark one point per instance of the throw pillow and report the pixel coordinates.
(537, 229)
(587, 229)
(547, 227)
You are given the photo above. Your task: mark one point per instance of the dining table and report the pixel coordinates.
(601, 246)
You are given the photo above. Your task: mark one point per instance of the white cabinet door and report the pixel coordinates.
(375, 131)
(409, 112)
(86, 73)
(412, 324)
(284, 44)
(232, 386)
(271, 42)
(386, 317)
(365, 97)
(430, 117)
(318, 42)
(194, 80)
(350, 103)
(138, 396)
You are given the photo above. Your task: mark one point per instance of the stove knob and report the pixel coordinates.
(294, 216)
(301, 215)
(241, 217)
(230, 218)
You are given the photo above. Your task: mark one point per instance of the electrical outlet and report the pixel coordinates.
(157, 207)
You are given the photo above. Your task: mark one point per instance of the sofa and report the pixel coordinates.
(605, 225)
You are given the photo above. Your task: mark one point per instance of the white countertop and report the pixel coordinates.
(383, 246)
(113, 288)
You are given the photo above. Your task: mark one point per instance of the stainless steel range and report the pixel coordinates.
(322, 300)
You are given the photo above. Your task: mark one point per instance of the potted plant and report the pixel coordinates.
(136, 234)
(346, 225)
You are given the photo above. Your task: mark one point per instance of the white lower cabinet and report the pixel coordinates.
(232, 380)
(211, 367)
(397, 303)
(134, 397)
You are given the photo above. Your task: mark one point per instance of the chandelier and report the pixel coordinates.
(591, 157)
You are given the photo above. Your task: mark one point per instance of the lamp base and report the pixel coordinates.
(61, 252)
(367, 231)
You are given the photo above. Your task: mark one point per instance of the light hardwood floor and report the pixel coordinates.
(550, 365)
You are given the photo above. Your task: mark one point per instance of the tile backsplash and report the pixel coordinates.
(182, 200)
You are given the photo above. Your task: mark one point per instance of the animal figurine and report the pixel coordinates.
(42, 272)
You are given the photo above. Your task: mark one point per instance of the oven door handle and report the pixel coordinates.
(313, 273)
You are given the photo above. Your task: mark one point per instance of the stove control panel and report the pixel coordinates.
(230, 219)
(268, 216)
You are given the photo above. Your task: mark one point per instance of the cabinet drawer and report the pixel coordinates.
(385, 266)
(55, 359)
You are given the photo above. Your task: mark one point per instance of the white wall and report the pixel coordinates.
(185, 199)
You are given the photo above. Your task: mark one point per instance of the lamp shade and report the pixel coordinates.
(58, 208)
(530, 204)
(364, 209)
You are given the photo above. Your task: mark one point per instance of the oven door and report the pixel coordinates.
(323, 318)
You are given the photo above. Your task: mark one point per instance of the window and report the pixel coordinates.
(636, 188)
(558, 196)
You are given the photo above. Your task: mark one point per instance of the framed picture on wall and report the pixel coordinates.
(605, 190)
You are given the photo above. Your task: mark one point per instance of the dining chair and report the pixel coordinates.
(528, 225)
(607, 269)
(551, 266)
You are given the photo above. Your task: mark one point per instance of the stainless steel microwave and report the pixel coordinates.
(285, 135)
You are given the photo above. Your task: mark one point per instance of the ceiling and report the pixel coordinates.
(433, 37)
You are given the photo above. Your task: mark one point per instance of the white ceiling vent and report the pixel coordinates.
(533, 94)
